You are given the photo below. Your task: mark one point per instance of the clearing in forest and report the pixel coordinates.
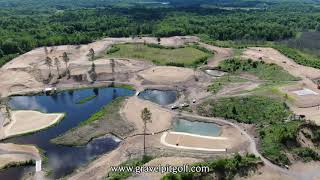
(184, 56)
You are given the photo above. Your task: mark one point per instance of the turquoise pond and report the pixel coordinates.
(195, 127)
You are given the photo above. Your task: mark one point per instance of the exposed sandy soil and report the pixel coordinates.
(28, 71)
(226, 140)
(30, 121)
(163, 161)
(271, 55)
(13, 153)
(167, 74)
(161, 119)
(220, 54)
(196, 142)
(237, 88)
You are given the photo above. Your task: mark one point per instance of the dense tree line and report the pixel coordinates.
(24, 29)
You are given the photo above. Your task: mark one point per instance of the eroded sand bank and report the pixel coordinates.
(29, 121)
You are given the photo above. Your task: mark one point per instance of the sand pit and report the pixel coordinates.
(161, 119)
(195, 142)
(167, 74)
(30, 121)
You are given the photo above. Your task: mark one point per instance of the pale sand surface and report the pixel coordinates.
(7, 159)
(226, 140)
(163, 161)
(197, 142)
(220, 54)
(14, 153)
(161, 119)
(167, 74)
(29, 121)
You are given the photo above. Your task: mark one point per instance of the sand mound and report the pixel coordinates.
(167, 74)
(161, 119)
(29, 121)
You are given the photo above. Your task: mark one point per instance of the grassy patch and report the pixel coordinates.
(86, 99)
(217, 84)
(184, 56)
(130, 163)
(222, 168)
(125, 86)
(262, 70)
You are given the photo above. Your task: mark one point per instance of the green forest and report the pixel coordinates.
(32, 23)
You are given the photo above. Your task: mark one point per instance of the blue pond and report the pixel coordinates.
(159, 96)
(195, 127)
(64, 159)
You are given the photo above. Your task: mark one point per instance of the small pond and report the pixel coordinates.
(64, 159)
(162, 97)
(214, 73)
(195, 127)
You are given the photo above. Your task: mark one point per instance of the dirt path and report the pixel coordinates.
(220, 54)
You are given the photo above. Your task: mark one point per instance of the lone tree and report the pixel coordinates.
(66, 60)
(48, 62)
(112, 64)
(57, 64)
(146, 118)
(159, 40)
(91, 54)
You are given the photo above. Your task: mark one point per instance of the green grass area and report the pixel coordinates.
(221, 168)
(184, 56)
(217, 84)
(130, 163)
(262, 70)
(86, 99)
(249, 109)
(299, 56)
(106, 110)
(125, 86)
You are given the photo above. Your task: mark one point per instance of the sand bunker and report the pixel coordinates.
(303, 96)
(161, 119)
(30, 121)
(167, 74)
(305, 92)
(195, 142)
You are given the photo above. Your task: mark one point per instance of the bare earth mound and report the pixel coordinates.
(16, 154)
(167, 74)
(30, 121)
(161, 119)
